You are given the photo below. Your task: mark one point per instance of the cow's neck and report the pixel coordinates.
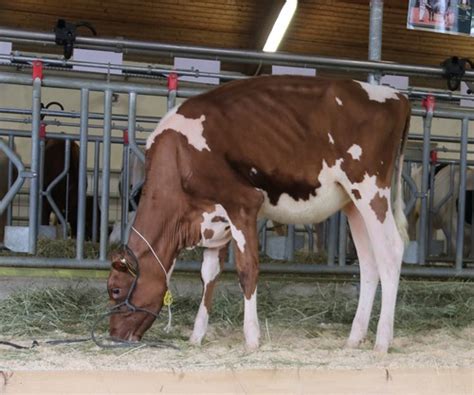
(160, 236)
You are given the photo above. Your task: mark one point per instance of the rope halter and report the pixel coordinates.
(168, 298)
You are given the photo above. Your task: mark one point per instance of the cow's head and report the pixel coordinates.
(136, 297)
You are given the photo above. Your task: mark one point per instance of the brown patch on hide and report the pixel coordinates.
(208, 233)
(379, 205)
(356, 194)
(218, 218)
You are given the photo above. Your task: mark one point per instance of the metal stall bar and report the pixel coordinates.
(290, 243)
(243, 56)
(11, 145)
(172, 88)
(71, 124)
(62, 136)
(73, 114)
(295, 268)
(35, 153)
(332, 239)
(96, 85)
(82, 182)
(462, 195)
(428, 116)
(132, 112)
(375, 36)
(149, 71)
(16, 186)
(125, 186)
(95, 190)
(342, 239)
(57, 180)
(42, 143)
(104, 215)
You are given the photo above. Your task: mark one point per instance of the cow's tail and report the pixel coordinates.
(399, 205)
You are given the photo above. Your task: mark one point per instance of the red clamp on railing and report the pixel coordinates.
(125, 137)
(37, 69)
(428, 103)
(433, 156)
(42, 131)
(173, 82)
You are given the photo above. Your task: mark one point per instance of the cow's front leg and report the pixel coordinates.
(212, 265)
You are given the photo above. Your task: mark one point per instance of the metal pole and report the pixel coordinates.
(96, 85)
(332, 240)
(104, 215)
(82, 182)
(290, 243)
(342, 239)
(462, 195)
(34, 167)
(375, 36)
(232, 54)
(294, 268)
(41, 176)
(11, 145)
(428, 116)
(132, 113)
(95, 190)
(172, 90)
(471, 252)
(125, 190)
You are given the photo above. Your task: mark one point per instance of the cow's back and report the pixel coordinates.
(286, 125)
(280, 133)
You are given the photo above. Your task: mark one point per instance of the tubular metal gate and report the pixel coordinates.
(336, 227)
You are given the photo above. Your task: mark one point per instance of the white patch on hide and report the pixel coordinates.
(251, 325)
(331, 140)
(210, 265)
(238, 236)
(329, 198)
(379, 93)
(221, 236)
(355, 151)
(190, 128)
(339, 101)
(209, 271)
(200, 325)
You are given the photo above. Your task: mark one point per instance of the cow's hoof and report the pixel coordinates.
(352, 343)
(195, 340)
(251, 346)
(381, 349)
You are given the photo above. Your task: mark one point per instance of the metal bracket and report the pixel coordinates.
(28, 174)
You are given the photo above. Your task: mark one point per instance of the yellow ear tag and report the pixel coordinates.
(168, 299)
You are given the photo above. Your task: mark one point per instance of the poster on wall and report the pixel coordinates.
(444, 16)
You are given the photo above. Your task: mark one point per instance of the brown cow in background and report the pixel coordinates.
(65, 193)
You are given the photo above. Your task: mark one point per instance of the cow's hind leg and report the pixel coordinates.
(244, 234)
(387, 246)
(369, 276)
(212, 265)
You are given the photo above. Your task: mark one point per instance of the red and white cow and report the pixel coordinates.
(289, 148)
(445, 198)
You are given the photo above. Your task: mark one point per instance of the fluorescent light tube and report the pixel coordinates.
(280, 26)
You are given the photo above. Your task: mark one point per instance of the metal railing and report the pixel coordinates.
(337, 230)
